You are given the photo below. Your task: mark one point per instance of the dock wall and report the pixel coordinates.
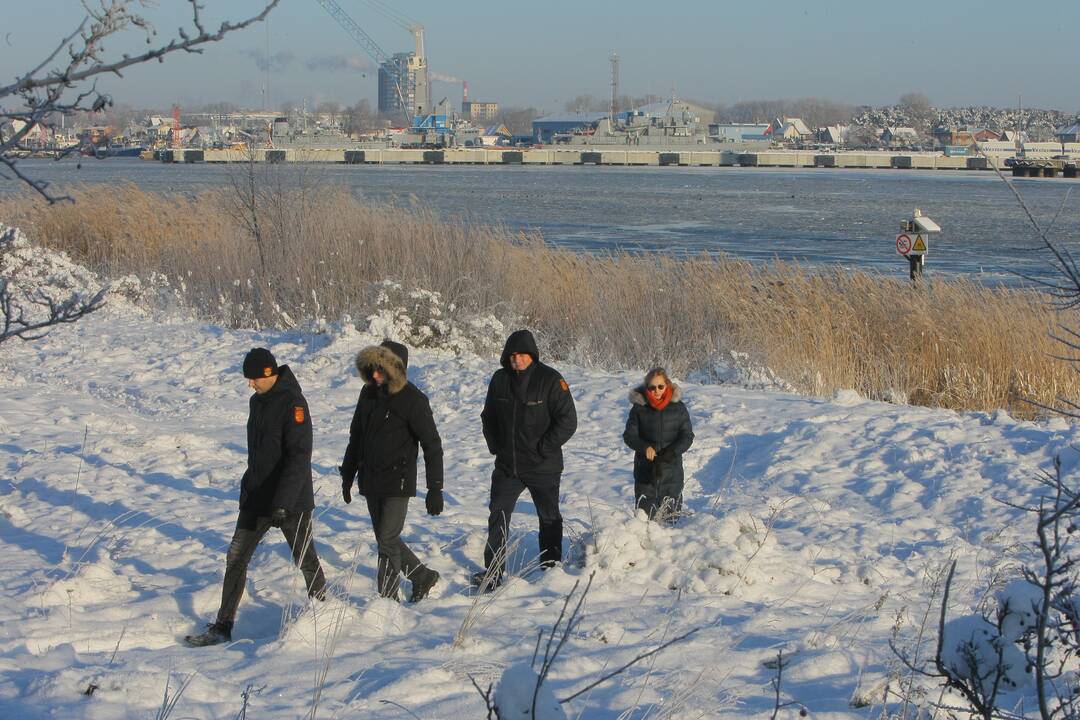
(598, 155)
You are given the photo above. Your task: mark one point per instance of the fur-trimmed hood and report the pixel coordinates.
(391, 363)
(637, 394)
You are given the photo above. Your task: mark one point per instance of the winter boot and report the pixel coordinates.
(486, 581)
(422, 581)
(216, 633)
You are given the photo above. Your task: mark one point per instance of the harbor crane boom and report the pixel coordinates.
(371, 47)
(417, 63)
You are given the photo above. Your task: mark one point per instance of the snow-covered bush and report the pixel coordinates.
(41, 288)
(1024, 649)
(421, 318)
(514, 695)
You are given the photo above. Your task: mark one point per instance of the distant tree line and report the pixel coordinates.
(815, 112)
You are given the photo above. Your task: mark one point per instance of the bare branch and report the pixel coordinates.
(639, 658)
(41, 91)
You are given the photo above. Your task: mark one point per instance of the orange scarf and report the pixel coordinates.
(665, 398)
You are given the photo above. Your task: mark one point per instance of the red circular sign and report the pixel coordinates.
(903, 243)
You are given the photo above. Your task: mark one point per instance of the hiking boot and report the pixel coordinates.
(216, 633)
(486, 581)
(423, 582)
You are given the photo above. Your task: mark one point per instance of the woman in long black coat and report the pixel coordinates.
(659, 432)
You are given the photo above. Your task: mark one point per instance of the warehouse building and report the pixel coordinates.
(546, 128)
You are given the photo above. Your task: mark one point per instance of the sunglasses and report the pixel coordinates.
(654, 388)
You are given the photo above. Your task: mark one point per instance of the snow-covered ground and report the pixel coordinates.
(814, 525)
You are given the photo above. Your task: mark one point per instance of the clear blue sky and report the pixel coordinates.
(544, 52)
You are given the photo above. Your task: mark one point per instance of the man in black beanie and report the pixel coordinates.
(392, 417)
(528, 416)
(276, 489)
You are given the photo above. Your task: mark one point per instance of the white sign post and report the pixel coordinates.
(913, 242)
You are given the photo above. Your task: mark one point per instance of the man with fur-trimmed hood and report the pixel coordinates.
(392, 417)
(528, 416)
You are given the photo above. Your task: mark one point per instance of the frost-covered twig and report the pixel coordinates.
(330, 648)
(64, 81)
(637, 659)
(571, 623)
(483, 600)
(486, 695)
(779, 705)
(168, 704)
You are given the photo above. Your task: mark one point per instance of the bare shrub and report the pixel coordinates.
(954, 343)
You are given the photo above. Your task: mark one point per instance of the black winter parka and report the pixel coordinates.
(528, 416)
(279, 437)
(664, 430)
(387, 425)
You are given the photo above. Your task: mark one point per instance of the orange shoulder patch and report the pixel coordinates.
(298, 414)
(565, 387)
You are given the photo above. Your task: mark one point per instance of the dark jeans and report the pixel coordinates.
(249, 531)
(388, 520)
(505, 491)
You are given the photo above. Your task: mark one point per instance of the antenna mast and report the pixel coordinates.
(614, 86)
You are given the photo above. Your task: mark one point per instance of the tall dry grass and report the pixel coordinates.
(268, 252)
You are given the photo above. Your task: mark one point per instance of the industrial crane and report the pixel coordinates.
(417, 63)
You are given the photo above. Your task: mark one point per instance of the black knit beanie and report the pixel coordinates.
(259, 363)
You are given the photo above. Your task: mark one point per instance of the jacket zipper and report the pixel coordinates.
(513, 433)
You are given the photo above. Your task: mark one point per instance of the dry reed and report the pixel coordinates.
(294, 252)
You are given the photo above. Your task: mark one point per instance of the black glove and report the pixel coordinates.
(666, 455)
(346, 485)
(434, 502)
(278, 517)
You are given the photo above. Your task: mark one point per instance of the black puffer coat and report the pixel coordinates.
(279, 440)
(668, 431)
(387, 425)
(528, 416)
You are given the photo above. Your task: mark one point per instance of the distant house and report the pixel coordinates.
(1069, 133)
(497, 134)
(789, 129)
(834, 134)
(36, 135)
(899, 135)
(964, 135)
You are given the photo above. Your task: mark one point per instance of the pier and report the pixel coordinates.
(598, 155)
(1046, 168)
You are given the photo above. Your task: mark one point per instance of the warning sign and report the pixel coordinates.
(919, 247)
(903, 243)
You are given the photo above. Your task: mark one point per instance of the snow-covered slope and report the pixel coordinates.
(813, 526)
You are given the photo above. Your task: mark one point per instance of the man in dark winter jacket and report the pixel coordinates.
(276, 489)
(392, 417)
(528, 416)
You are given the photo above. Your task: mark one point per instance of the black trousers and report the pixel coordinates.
(250, 529)
(505, 490)
(395, 557)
